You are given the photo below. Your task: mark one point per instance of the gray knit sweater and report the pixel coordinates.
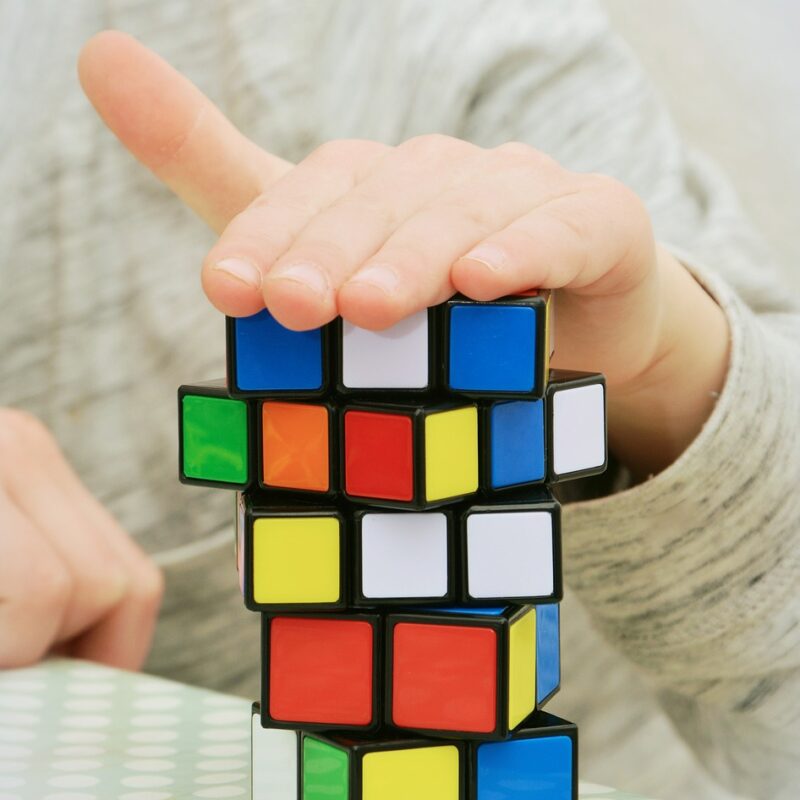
(682, 642)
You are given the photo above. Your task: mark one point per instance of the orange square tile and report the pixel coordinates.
(296, 449)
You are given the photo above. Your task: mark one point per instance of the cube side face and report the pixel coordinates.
(320, 672)
(521, 668)
(444, 677)
(296, 561)
(266, 358)
(325, 771)
(451, 453)
(511, 553)
(548, 652)
(495, 349)
(515, 452)
(421, 773)
(577, 440)
(400, 358)
(404, 557)
(214, 440)
(296, 444)
(539, 768)
(378, 455)
(273, 760)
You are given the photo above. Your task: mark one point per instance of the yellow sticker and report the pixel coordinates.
(451, 453)
(522, 669)
(420, 773)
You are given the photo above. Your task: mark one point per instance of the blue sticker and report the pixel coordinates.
(548, 650)
(493, 611)
(517, 443)
(493, 348)
(271, 357)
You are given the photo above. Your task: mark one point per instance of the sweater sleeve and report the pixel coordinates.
(694, 575)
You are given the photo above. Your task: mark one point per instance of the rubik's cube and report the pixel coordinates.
(396, 532)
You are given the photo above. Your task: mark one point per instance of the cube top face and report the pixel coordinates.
(274, 761)
(496, 348)
(325, 771)
(297, 560)
(405, 556)
(451, 453)
(398, 358)
(265, 357)
(539, 768)
(320, 671)
(444, 677)
(516, 444)
(577, 435)
(214, 439)
(379, 455)
(421, 773)
(513, 553)
(296, 446)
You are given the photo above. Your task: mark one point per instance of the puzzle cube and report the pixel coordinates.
(511, 551)
(320, 672)
(538, 762)
(297, 445)
(409, 456)
(468, 672)
(214, 437)
(400, 358)
(403, 557)
(264, 358)
(273, 761)
(293, 558)
(386, 767)
(499, 348)
(513, 448)
(576, 425)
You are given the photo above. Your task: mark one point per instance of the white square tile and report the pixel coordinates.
(274, 763)
(578, 420)
(510, 554)
(395, 358)
(404, 555)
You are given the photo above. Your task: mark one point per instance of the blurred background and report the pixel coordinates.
(730, 72)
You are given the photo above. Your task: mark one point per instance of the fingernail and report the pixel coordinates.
(309, 275)
(244, 271)
(490, 255)
(378, 275)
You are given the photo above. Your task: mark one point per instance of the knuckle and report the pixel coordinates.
(428, 144)
(54, 585)
(148, 585)
(520, 154)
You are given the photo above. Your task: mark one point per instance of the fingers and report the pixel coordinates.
(172, 128)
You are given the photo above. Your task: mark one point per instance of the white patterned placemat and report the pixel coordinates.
(76, 731)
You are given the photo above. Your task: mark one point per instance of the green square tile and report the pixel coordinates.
(325, 771)
(215, 439)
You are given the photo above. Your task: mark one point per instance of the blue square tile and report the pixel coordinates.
(548, 650)
(526, 769)
(270, 357)
(492, 348)
(517, 443)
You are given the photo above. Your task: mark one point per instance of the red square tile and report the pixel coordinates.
(321, 670)
(444, 677)
(379, 455)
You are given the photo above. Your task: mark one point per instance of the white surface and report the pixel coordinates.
(274, 763)
(395, 358)
(578, 421)
(404, 555)
(510, 554)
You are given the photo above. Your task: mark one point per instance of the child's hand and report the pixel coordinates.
(375, 233)
(72, 580)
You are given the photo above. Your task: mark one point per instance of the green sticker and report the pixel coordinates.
(325, 773)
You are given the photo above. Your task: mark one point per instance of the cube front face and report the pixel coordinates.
(421, 773)
(444, 677)
(511, 554)
(577, 435)
(404, 557)
(496, 348)
(320, 672)
(451, 453)
(297, 560)
(265, 357)
(397, 358)
(214, 441)
(273, 759)
(296, 446)
(515, 455)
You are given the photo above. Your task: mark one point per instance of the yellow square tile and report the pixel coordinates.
(522, 668)
(296, 560)
(451, 453)
(421, 773)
